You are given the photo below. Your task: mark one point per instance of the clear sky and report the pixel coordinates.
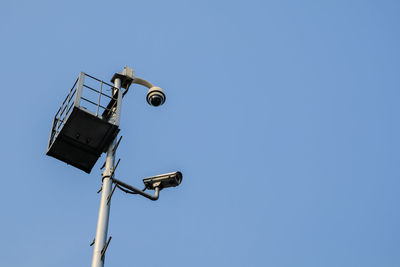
(283, 117)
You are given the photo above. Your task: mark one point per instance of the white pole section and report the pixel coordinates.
(104, 211)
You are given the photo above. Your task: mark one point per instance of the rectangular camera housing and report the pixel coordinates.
(170, 179)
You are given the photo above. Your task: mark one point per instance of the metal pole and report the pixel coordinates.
(104, 210)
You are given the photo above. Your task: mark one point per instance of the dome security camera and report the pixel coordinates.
(155, 96)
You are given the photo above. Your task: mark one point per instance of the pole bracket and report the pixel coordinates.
(103, 251)
(113, 169)
(102, 166)
(117, 144)
(110, 195)
(113, 151)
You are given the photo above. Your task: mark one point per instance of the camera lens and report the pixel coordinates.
(155, 100)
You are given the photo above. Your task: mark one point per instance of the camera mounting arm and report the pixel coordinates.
(138, 191)
(155, 95)
(136, 80)
(156, 183)
(143, 82)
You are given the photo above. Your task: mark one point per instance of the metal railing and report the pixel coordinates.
(91, 103)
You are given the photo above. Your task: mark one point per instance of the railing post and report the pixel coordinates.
(79, 87)
(98, 104)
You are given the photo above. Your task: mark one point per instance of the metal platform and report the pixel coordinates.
(84, 125)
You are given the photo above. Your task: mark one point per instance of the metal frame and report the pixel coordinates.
(75, 94)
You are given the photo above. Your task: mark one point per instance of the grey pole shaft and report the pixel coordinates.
(104, 210)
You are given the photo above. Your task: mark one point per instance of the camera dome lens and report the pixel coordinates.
(155, 100)
(155, 96)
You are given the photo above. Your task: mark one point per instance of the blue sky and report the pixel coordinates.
(281, 115)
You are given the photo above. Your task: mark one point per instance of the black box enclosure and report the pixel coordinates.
(80, 135)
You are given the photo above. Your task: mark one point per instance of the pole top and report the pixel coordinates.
(126, 76)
